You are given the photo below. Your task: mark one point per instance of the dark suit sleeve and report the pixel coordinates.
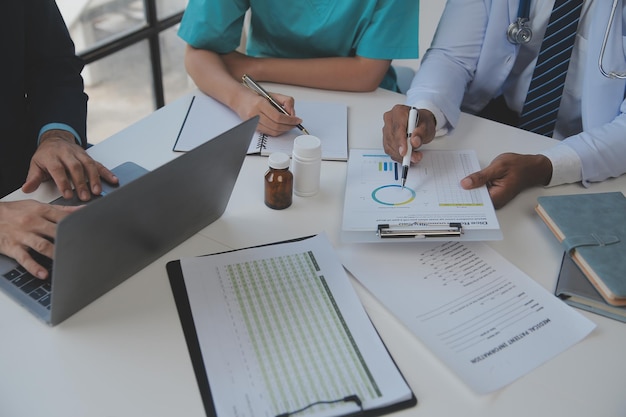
(54, 86)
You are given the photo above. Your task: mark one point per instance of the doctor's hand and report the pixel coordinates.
(395, 129)
(271, 121)
(29, 224)
(509, 174)
(59, 158)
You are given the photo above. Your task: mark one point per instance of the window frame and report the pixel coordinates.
(150, 32)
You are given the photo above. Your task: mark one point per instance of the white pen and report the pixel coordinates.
(406, 160)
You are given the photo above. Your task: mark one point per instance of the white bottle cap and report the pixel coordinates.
(307, 146)
(278, 160)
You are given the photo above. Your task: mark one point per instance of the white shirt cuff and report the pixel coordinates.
(442, 122)
(566, 165)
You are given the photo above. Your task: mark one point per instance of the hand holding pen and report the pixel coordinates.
(254, 86)
(395, 129)
(406, 160)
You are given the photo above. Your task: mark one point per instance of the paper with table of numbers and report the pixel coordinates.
(281, 329)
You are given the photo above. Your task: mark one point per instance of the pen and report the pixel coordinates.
(251, 84)
(406, 160)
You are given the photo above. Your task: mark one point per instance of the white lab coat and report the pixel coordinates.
(470, 59)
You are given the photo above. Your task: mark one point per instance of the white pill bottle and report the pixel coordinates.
(306, 163)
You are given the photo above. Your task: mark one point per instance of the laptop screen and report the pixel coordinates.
(112, 238)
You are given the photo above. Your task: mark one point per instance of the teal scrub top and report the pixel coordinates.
(377, 29)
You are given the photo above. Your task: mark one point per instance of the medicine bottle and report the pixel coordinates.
(278, 182)
(306, 165)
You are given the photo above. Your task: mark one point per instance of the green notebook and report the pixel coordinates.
(592, 230)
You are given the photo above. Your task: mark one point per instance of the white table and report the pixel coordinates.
(125, 354)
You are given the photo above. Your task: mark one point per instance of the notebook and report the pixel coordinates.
(592, 230)
(574, 288)
(110, 239)
(206, 117)
(327, 121)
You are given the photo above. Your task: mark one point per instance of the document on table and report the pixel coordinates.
(280, 327)
(431, 198)
(484, 318)
(207, 118)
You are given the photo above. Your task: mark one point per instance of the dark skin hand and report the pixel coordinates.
(29, 224)
(506, 176)
(59, 158)
(509, 174)
(395, 128)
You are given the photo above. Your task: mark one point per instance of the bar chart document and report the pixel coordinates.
(281, 331)
(431, 198)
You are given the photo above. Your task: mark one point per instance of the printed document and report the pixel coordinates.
(431, 197)
(207, 118)
(281, 328)
(484, 318)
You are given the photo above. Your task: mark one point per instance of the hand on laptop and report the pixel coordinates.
(28, 224)
(59, 158)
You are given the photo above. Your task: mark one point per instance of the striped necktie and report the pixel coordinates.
(544, 94)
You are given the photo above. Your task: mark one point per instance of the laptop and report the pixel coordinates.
(113, 237)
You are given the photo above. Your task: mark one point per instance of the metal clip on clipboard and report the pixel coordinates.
(419, 230)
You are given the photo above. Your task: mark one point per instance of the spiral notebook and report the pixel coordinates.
(206, 118)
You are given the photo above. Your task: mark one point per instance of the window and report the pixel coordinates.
(133, 56)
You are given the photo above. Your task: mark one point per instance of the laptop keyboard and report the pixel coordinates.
(38, 289)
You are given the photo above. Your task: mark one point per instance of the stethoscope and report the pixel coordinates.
(519, 32)
(609, 74)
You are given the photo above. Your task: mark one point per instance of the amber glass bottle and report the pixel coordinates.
(278, 182)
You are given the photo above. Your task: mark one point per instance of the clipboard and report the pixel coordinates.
(431, 206)
(186, 316)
